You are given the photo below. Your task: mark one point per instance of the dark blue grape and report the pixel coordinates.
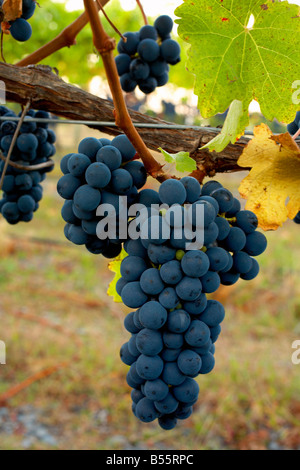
(170, 51)
(198, 334)
(137, 172)
(195, 263)
(148, 32)
(214, 313)
(242, 262)
(168, 298)
(97, 175)
(149, 342)
(252, 273)
(125, 355)
(139, 70)
(187, 392)
(178, 321)
(77, 164)
(256, 244)
(21, 30)
(148, 49)
(189, 363)
(146, 411)
(130, 46)
(110, 156)
(189, 289)
(153, 315)
(122, 143)
(164, 25)
(151, 282)
(123, 62)
(87, 198)
(171, 374)
(209, 187)
(172, 192)
(128, 83)
(173, 340)
(133, 296)
(167, 405)
(208, 363)
(148, 85)
(224, 198)
(90, 147)
(156, 390)
(149, 367)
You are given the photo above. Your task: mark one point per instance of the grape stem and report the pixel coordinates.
(66, 38)
(110, 22)
(13, 142)
(105, 46)
(143, 11)
(19, 166)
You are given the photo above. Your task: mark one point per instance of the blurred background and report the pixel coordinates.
(64, 382)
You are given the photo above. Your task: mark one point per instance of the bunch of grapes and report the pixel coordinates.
(145, 57)
(100, 172)
(20, 29)
(22, 190)
(175, 327)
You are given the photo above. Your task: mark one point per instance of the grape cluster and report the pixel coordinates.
(20, 29)
(100, 172)
(145, 57)
(175, 326)
(22, 190)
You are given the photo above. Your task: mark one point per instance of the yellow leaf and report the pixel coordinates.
(115, 267)
(272, 188)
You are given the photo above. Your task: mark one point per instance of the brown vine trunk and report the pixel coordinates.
(47, 91)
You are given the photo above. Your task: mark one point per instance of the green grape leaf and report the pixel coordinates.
(242, 50)
(115, 267)
(234, 125)
(182, 160)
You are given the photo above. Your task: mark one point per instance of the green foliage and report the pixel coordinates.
(232, 61)
(182, 161)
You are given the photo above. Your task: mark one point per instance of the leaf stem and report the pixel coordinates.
(143, 11)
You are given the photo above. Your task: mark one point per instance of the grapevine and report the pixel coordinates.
(171, 262)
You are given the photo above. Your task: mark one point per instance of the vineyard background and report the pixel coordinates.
(56, 317)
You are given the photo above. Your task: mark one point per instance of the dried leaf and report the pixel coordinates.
(272, 188)
(12, 9)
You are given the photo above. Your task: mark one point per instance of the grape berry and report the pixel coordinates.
(144, 59)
